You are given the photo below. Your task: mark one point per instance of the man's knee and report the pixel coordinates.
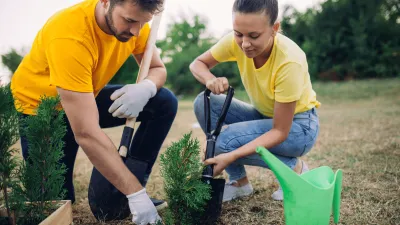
(167, 100)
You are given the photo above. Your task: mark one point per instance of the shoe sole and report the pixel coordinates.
(238, 197)
(277, 199)
(162, 206)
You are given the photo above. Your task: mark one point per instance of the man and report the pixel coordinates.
(75, 55)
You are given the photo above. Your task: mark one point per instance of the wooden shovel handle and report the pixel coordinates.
(148, 53)
(144, 68)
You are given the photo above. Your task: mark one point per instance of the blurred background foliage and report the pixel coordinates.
(343, 40)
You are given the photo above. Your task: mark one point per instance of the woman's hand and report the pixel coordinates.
(217, 85)
(220, 162)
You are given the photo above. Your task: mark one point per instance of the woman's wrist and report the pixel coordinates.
(235, 155)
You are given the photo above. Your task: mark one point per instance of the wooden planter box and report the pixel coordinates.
(61, 216)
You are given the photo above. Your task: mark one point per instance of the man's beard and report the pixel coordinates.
(110, 25)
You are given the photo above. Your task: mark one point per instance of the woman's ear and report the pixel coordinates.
(276, 28)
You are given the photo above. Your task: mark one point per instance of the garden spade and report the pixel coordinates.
(105, 201)
(213, 207)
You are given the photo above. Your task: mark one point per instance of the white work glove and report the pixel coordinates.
(130, 100)
(142, 208)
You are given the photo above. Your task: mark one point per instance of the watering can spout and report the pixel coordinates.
(282, 172)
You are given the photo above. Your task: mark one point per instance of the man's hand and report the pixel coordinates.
(220, 162)
(130, 100)
(217, 85)
(142, 208)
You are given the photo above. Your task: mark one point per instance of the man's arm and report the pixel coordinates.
(157, 71)
(82, 114)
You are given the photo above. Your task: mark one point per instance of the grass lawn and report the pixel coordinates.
(359, 133)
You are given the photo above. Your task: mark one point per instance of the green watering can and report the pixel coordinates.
(309, 198)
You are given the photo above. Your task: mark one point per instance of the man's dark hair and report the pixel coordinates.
(152, 6)
(270, 7)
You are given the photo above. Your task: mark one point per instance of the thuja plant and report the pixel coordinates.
(8, 137)
(41, 174)
(186, 194)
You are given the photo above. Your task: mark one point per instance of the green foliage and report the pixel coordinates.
(343, 39)
(356, 90)
(184, 42)
(181, 169)
(42, 173)
(11, 60)
(346, 39)
(8, 136)
(127, 73)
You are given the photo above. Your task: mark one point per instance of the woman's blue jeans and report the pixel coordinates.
(245, 123)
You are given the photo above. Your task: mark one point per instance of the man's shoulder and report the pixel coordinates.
(71, 23)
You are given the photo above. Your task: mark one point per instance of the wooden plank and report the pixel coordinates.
(62, 216)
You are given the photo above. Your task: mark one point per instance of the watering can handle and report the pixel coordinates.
(212, 137)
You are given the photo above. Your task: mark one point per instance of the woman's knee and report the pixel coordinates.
(225, 142)
(198, 105)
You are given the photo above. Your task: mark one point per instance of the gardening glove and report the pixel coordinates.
(142, 208)
(130, 100)
(217, 85)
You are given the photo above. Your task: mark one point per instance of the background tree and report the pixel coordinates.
(343, 39)
(127, 73)
(185, 40)
(346, 39)
(11, 60)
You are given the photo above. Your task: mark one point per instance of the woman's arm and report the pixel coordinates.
(200, 69)
(201, 66)
(283, 117)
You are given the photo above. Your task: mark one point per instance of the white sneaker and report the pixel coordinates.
(278, 194)
(231, 192)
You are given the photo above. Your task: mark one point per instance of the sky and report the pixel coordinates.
(20, 20)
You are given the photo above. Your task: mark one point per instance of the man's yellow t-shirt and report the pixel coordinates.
(283, 78)
(71, 52)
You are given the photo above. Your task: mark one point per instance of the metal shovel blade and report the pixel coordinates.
(105, 201)
(214, 205)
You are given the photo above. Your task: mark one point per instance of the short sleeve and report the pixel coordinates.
(70, 64)
(223, 50)
(141, 40)
(289, 83)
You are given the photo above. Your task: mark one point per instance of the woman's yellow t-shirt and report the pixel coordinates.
(283, 78)
(71, 52)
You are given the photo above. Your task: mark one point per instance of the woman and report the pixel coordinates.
(274, 71)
